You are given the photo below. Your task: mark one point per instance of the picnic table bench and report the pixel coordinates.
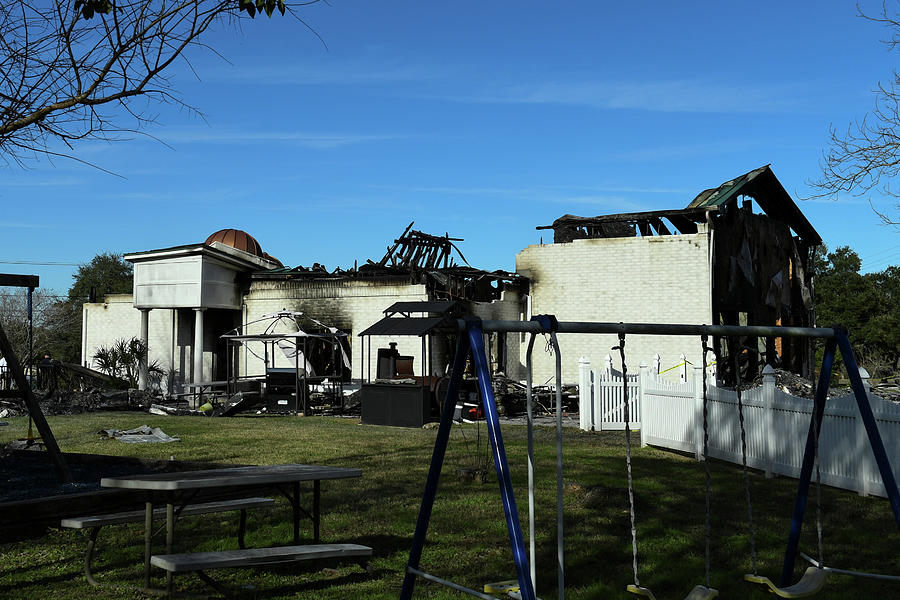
(254, 557)
(167, 488)
(96, 522)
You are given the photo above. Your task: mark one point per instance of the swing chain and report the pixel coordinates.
(634, 562)
(705, 339)
(740, 403)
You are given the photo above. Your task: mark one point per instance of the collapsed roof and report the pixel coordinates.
(760, 184)
(420, 258)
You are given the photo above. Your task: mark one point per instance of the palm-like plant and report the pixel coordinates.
(123, 359)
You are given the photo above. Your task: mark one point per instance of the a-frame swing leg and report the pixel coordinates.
(472, 340)
(865, 412)
(513, 526)
(434, 471)
(809, 455)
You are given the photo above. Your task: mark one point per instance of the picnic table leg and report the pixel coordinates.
(317, 494)
(296, 507)
(89, 555)
(148, 542)
(170, 539)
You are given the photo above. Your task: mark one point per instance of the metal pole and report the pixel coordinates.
(656, 329)
(31, 382)
(529, 418)
(449, 584)
(30, 344)
(560, 540)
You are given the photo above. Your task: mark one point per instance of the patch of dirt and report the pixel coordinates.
(27, 478)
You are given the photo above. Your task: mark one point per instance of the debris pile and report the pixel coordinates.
(73, 402)
(796, 385)
(511, 397)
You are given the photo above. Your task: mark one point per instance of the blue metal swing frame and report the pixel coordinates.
(471, 340)
(839, 341)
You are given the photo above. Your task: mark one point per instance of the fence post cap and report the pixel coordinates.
(584, 360)
(768, 371)
(644, 365)
(863, 373)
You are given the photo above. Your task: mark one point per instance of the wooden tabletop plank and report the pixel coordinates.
(228, 477)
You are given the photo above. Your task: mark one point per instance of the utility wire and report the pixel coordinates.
(41, 263)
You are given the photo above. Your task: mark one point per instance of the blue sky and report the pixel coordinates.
(481, 119)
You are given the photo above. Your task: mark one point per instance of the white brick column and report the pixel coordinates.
(145, 341)
(197, 352)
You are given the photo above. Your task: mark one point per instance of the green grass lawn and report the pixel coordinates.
(467, 539)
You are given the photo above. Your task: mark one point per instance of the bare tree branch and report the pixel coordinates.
(73, 70)
(865, 158)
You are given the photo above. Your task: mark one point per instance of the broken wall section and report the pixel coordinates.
(662, 279)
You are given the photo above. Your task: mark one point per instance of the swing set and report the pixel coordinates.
(471, 342)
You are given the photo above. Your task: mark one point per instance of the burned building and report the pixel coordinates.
(737, 254)
(187, 297)
(418, 267)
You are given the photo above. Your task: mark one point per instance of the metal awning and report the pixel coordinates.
(433, 306)
(407, 326)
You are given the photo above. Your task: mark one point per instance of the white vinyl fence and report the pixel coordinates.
(776, 424)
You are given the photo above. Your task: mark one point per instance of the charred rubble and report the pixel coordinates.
(420, 258)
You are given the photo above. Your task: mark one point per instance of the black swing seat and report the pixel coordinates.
(699, 592)
(811, 583)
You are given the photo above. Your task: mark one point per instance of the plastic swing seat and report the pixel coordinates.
(699, 592)
(812, 582)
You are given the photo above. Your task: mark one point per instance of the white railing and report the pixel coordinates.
(776, 424)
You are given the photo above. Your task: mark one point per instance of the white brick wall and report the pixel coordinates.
(660, 279)
(349, 305)
(116, 318)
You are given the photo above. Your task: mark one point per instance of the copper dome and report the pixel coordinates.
(273, 259)
(238, 239)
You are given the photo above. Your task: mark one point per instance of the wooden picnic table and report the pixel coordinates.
(175, 489)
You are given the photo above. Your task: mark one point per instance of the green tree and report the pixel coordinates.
(884, 330)
(106, 273)
(866, 304)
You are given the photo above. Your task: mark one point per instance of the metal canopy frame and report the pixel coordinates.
(471, 342)
(299, 338)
